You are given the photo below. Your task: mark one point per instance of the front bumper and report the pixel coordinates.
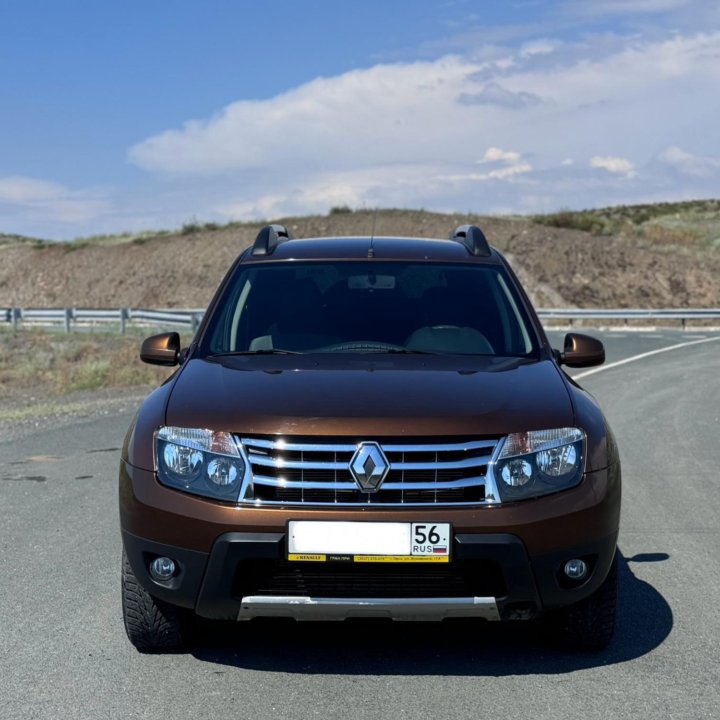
(506, 560)
(246, 575)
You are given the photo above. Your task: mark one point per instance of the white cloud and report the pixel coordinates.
(389, 113)
(26, 191)
(410, 134)
(494, 154)
(380, 186)
(511, 163)
(51, 200)
(325, 190)
(626, 7)
(495, 94)
(359, 117)
(538, 47)
(616, 165)
(689, 164)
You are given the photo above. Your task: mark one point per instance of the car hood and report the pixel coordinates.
(366, 396)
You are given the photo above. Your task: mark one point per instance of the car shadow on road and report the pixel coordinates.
(455, 647)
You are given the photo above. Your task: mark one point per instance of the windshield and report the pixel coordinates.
(373, 307)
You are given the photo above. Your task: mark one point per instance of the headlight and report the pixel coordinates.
(539, 462)
(202, 462)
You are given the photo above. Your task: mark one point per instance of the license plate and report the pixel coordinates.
(365, 542)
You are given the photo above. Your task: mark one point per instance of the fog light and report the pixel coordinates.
(162, 569)
(576, 569)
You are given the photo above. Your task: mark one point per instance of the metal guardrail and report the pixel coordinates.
(630, 313)
(190, 318)
(626, 314)
(69, 317)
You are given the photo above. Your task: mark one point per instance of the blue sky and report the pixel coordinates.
(139, 115)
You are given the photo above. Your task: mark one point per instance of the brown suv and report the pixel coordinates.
(369, 427)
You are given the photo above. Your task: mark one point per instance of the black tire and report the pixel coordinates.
(151, 624)
(589, 624)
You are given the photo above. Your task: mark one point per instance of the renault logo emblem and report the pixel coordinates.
(369, 466)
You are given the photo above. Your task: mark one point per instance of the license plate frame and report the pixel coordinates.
(368, 541)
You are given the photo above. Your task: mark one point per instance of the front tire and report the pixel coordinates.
(590, 624)
(151, 624)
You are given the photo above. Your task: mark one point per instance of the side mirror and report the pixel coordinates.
(582, 351)
(161, 349)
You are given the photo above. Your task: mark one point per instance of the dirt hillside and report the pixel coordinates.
(560, 267)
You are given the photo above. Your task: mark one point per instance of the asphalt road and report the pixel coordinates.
(63, 651)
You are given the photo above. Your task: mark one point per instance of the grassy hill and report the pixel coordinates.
(695, 223)
(630, 256)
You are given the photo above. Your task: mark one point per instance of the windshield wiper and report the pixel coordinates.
(408, 351)
(265, 351)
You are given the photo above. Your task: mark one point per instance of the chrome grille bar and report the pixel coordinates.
(322, 465)
(297, 447)
(290, 446)
(287, 471)
(350, 485)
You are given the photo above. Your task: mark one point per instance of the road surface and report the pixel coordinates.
(63, 651)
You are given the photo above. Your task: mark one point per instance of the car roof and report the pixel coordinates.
(379, 248)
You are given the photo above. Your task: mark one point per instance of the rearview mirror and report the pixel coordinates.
(582, 351)
(163, 349)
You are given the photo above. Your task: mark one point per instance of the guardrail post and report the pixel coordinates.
(124, 315)
(194, 322)
(15, 313)
(67, 318)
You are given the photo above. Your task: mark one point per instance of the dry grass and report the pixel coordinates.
(51, 364)
(693, 224)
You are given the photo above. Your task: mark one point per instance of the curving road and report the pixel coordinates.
(63, 652)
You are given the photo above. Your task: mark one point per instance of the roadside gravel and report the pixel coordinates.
(23, 415)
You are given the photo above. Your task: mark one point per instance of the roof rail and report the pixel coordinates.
(269, 238)
(473, 238)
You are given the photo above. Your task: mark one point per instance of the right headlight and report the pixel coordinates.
(539, 462)
(199, 461)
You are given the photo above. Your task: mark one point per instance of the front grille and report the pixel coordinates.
(349, 580)
(309, 472)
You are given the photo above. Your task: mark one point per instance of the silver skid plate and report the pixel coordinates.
(312, 608)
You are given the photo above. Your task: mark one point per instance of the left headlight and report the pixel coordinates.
(539, 462)
(198, 461)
